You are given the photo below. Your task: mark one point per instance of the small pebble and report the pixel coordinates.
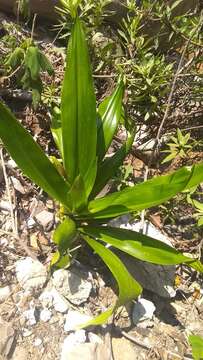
(27, 332)
(143, 310)
(30, 316)
(37, 342)
(45, 315)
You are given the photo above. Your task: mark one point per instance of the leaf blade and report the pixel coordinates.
(30, 158)
(122, 276)
(150, 193)
(78, 109)
(141, 246)
(107, 169)
(110, 112)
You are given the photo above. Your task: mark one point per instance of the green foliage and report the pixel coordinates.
(196, 343)
(23, 8)
(198, 206)
(28, 61)
(92, 12)
(83, 134)
(178, 146)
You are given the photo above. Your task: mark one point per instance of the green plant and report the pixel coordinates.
(148, 81)
(92, 12)
(196, 343)
(178, 147)
(23, 8)
(27, 61)
(198, 207)
(83, 136)
(181, 145)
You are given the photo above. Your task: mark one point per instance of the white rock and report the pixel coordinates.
(17, 185)
(59, 302)
(45, 315)
(94, 338)
(74, 319)
(3, 242)
(12, 164)
(45, 218)
(53, 298)
(143, 310)
(73, 284)
(30, 316)
(31, 274)
(5, 205)
(37, 342)
(30, 223)
(77, 337)
(46, 299)
(5, 292)
(85, 351)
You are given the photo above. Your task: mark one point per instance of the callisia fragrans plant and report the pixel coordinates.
(83, 134)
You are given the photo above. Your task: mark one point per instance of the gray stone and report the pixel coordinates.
(73, 284)
(156, 278)
(143, 310)
(31, 274)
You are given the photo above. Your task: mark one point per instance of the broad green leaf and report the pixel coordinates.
(78, 195)
(32, 61)
(64, 234)
(122, 276)
(30, 158)
(110, 112)
(107, 169)
(142, 196)
(58, 165)
(90, 177)
(196, 343)
(59, 260)
(141, 246)
(78, 110)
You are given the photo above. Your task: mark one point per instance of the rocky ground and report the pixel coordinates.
(40, 310)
